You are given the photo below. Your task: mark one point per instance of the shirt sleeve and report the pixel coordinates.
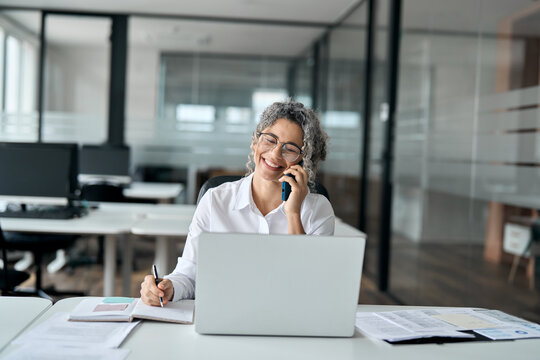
(183, 276)
(323, 220)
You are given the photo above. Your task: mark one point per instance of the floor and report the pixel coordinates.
(454, 275)
(89, 277)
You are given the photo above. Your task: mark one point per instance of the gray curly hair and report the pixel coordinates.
(315, 138)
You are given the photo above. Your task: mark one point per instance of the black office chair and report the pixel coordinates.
(97, 192)
(39, 245)
(10, 278)
(218, 180)
(102, 192)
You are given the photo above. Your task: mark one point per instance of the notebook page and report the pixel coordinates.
(179, 312)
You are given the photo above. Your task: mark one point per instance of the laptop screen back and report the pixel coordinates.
(253, 284)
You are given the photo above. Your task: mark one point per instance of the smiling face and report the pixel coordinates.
(269, 164)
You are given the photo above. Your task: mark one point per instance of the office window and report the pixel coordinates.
(195, 117)
(18, 75)
(302, 82)
(2, 47)
(13, 74)
(263, 97)
(76, 87)
(195, 113)
(342, 119)
(29, 78)
(237, 115)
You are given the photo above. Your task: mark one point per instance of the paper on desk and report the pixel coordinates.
(512, 326)
(448, 322)
(56, 352)
(507, 319)
(394, 327)
(509, 333)
(58, 330)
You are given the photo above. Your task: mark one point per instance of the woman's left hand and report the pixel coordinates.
(299, 189)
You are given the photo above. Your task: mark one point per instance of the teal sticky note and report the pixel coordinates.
(117, 300)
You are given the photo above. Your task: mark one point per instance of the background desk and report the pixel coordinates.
(16, 313)
(161, 192)
(165, 222)
(120, 221)
(182, 342)
(115, 221)
(114, 225)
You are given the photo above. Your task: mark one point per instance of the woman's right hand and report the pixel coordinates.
(150, 293)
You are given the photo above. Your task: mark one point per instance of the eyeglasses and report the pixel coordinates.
(289, 151)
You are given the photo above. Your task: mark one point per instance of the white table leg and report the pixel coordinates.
(191, 197)
(166, 255)
(127, 261)
(109, 266)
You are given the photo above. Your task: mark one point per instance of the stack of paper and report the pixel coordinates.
(59, 337)
(98, 333)
(403, 325)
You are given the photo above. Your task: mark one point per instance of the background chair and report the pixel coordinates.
(218, 180)
(10, 278)
(97, 192)
(38, 245)
(102, 192)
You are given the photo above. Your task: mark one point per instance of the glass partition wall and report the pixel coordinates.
(196, 90)
(76, 80)
(467, 155)
(19, 49)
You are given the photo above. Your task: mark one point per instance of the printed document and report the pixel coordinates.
(58, 330)
(402, 325)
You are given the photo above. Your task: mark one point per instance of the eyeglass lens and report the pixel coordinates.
(288, 152)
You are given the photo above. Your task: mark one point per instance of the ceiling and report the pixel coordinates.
(321, 11)
(256, 37)
(297, 24)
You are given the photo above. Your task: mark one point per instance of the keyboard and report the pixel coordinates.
(59, 213)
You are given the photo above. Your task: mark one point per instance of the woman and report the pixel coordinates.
(288, 140)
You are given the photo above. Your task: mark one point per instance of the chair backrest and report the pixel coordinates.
(104, 192)
(4, 259)
(9, 278)
(218, 180)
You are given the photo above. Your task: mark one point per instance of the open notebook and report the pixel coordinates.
(127, 309)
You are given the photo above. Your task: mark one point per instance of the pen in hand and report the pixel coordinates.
(154, 270)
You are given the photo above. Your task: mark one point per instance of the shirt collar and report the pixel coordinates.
(244, 197)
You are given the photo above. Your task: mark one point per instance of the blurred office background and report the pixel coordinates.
(431, 106)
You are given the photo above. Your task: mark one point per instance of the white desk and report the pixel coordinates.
(151, 210)
(116, 221)
(115, 225)
(182, 342)
(153, 191)
(165, 222)
(119, 221)
(16, 313)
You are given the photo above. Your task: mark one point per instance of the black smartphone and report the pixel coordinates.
(286, 189)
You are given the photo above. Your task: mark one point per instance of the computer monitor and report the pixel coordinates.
(104, 164)
(38, 173)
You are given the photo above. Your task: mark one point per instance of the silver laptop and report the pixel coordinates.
(285, 285)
